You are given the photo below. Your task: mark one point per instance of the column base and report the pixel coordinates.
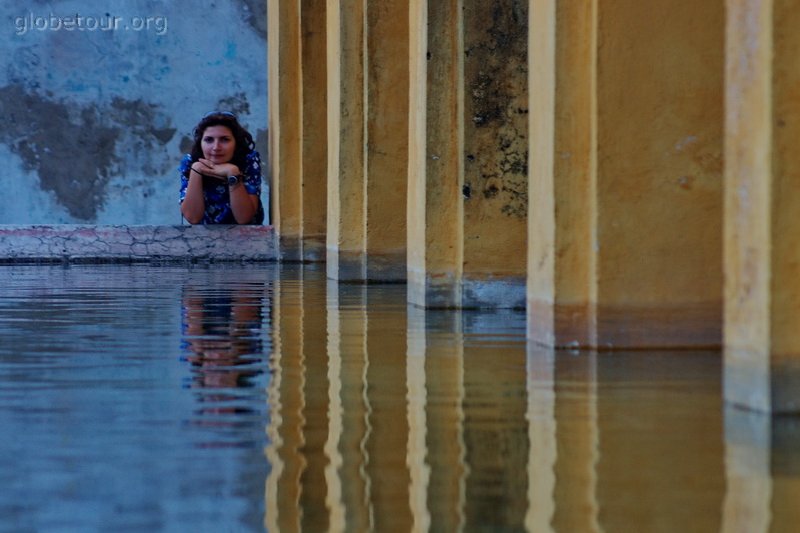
(563, 326)
(433, 291)
(346, 266)
(691, 326)
(494, 293)
(314, 250)
(291, 248)
(625, 328)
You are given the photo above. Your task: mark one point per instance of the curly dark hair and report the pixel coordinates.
(244, 141)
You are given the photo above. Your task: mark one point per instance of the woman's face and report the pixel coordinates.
(218, 144)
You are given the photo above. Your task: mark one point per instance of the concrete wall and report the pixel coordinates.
(99, 100)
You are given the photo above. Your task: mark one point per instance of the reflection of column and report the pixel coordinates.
(333, 481)
(286, 401)
(387, 415)
(577, 439)
(659, 419)
(747, 467)
(562, 414)
(314, 370)
(355, 485)
(785, 472)
(542, 437)
(495, 428)
(444, 380)
(416, 453)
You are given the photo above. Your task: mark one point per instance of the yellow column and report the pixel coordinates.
(285, 124)
(468, 153)
(562, 285)
(314, 188)
(387, 139)
(626, 167)
(762, 240)
(346, 240)
(435, 167)
(367, 139)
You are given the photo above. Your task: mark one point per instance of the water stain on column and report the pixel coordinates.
(495, 68)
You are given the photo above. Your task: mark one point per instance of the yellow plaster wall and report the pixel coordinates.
(659, 171)
(785, 206)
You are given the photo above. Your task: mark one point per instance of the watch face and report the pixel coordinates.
(233, 180)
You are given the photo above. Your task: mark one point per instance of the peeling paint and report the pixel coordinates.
(70, 149)
(75, 148)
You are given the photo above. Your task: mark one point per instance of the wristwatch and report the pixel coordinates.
(234, 180)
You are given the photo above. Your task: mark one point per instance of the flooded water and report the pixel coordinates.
(252, 398)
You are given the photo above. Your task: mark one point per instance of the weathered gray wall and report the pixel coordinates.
(95, 117)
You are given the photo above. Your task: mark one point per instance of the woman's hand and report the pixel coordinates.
(217, 170)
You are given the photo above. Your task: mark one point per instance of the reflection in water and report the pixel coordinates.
(222, 331)
(448, 421)
(100, 432)
(747, 467)
(223, 340)
(246, 397)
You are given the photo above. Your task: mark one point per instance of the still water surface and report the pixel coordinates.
(251, 398)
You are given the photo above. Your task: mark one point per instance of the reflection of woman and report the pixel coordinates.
(222, 335)
(221, 178)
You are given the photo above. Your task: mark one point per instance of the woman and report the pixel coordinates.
(221, 178)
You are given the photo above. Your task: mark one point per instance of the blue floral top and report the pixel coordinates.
(215, 192)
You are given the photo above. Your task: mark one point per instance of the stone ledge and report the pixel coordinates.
(91, 243)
